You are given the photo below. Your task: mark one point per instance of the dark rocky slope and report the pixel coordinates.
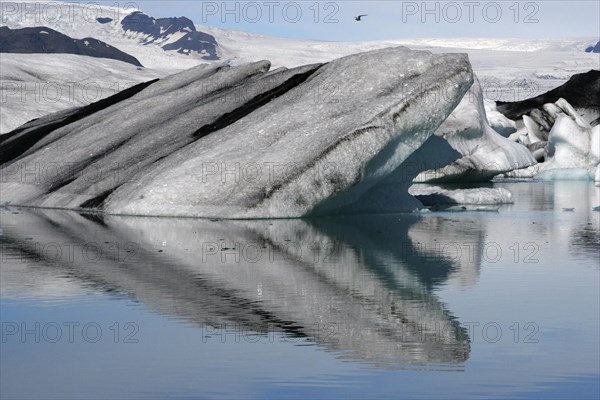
(48, 41)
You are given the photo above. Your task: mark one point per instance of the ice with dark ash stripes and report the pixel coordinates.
(345, 136)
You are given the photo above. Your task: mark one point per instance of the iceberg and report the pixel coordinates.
(243, 142)
(473, 199)
(485, 152)
(572, 147)
(497, 120)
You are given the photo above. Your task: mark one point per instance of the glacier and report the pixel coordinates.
(244, 141)
(34, 85)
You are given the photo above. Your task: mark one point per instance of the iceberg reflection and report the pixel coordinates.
(359, 286)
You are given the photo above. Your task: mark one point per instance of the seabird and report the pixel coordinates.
(359, 18)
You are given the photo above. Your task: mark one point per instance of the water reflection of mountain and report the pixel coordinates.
(362, 286)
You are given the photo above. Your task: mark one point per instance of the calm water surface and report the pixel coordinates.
(437, 305)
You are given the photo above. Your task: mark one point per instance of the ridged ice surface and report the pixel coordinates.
(243, 142)
(485, 152)
(571, 150)
(497, 120)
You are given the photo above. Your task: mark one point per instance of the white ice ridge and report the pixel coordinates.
(242, 142)
(485, 152)
(497, 120)
(572, 149)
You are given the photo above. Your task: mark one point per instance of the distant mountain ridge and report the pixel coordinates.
(593, 49)
(48, 41)
(581, 91)
(160, 31)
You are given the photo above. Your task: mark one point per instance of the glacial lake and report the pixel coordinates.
(431, 305)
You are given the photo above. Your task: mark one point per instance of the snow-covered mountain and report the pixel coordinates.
(593, 49)
(145, 37)
(105, 23)
(44, 40)
(172, 34)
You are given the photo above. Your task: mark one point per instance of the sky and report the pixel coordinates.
(392, 19)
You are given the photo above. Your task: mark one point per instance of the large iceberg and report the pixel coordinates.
(241, 142)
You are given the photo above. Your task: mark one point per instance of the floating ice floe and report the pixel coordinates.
(461, 199)
(430, 195)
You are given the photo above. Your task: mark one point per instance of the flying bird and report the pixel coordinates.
(359, 18)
